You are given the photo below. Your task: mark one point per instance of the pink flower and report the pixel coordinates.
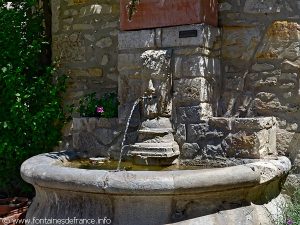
(289, 222)
(100, 109)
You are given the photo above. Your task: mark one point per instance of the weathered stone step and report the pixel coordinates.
(154, 153)
(156, 131)
(154, 149)
(156, 135)
(161, 122)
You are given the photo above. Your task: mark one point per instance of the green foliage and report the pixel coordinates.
(88, 105)
(110, 104)
(291, 211)
(107, 106)
(31, 116)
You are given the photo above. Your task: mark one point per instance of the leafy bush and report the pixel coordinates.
(107, 106)
(31, 116)
(291, 211)
(110, 104)
(87, 105)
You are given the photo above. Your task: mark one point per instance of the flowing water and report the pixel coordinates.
(126, 130)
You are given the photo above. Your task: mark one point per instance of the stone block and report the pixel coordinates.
(206, 36)
(68, 20)
(192, 91)
(178, 67)
(180, 135)
(156, 65)
(143, 39)
(221, 123)
(87, 143)
(266, 6)
(212, 151)
(83, 27)
(196, 132)
(104, 60)
(288, 143)
(106, 136)
(95, 9)
(240, 137)
(249, 144)
(193, 50)
(124, 111)
(68, 48)
(79, 124)
(160, 122)
(225, 6)
(76, 2)
(91, 123)
(193, 114)
(196, 66)
(254, 123)
(127, 94)
(104, 42)
(91, 72)
(55, 9)
(262, 67)
(203, 134)
(292, 66)
(272, 141)
(158, 33)
(269, 107)
(239, 42)
(129, 61)
(189, 150)
(281, 41)
(240, 146)
(70, 12)
(234, 82)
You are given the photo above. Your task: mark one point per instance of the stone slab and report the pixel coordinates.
(193, 114)
(206, 36)
(192, 91)
(142, 39)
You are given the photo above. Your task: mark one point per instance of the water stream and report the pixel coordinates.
(126, 130)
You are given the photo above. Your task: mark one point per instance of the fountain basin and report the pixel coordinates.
(153, 197)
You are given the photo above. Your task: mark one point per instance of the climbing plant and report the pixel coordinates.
(31, 115)
(132, 8)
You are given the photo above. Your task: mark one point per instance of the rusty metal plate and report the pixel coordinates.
(164, 13)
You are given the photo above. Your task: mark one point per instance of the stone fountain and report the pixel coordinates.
(175, 72)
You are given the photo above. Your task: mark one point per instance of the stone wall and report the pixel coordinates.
(180, 72)
(261, 64)
(85, 44)
(94, 137)
(220, 137)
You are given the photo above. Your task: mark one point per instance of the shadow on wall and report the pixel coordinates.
(261, 72)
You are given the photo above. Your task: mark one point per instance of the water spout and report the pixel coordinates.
(128, 123)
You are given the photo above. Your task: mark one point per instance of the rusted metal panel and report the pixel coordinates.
(164, 13)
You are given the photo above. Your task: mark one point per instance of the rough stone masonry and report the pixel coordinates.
(260, 63)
